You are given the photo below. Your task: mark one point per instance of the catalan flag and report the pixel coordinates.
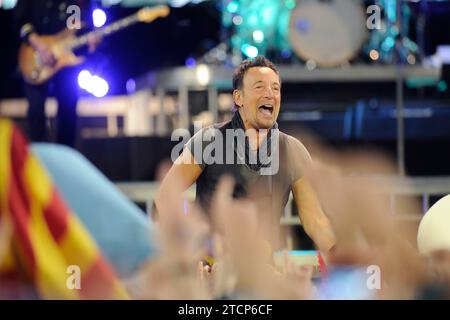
(45, 252)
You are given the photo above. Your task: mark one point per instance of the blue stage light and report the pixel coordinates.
(99, 17)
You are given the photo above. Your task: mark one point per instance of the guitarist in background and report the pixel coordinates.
(35, 18)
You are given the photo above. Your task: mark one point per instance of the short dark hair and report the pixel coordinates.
(239, 72)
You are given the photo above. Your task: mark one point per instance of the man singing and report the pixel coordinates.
(265, 163)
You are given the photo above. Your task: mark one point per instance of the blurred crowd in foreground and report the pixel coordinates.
(241, 263)
(367, 234)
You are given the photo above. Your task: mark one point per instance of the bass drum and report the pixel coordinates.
(329, 32)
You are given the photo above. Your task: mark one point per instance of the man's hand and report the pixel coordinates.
(44, 50)
(205, 275)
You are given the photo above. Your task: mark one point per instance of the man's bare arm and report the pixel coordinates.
(314, 220)
(180, 177)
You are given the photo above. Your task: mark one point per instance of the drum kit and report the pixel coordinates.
(323, 33)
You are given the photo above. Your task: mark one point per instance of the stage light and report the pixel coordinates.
(268, 15)
(233, 6)
(271, 17)
(190, 62)
(99, 17)
(388, 43)
(374, 55)
(84, 78)
(258, 36)
(286, 53)
(131, 86)
(411, 59)
(237, 20)
(178, 3)
(253, 21)
(249, 51)
(442, 86)
(98, 87)
(8, 4)
(203, 74)
(93, 84)
(252, 52)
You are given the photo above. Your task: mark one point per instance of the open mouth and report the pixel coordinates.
(266, 109)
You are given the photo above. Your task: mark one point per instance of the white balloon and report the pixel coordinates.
(434, 228)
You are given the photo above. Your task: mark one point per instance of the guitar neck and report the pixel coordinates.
(105, 31)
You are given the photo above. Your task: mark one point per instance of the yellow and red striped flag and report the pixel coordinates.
(44, 246)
